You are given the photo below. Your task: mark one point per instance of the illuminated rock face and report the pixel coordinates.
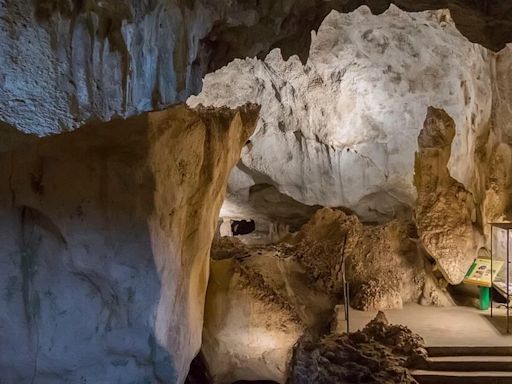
(342, 129)
(249, 329)
(259, 303)
(104, 262)
(68, 62)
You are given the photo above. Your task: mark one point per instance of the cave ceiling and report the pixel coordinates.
(252, 28)
(66, 63)
(262, 25)
(287, 24)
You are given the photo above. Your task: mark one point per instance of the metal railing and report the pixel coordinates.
(346, 286)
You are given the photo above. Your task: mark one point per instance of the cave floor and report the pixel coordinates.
(446, 326)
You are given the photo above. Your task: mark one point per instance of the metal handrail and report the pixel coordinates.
(346, 287)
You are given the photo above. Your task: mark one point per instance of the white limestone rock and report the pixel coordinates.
(341, 130)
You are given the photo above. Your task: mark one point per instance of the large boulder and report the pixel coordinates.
(259, 303)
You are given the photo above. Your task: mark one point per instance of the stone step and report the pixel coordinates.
(453, 377)
(438, 351)
(469, 363)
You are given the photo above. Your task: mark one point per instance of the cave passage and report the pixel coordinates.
(242, 227)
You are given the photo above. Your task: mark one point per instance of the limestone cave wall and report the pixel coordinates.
(66, 62)
(341, 130)
(105, 235)
(105, 231)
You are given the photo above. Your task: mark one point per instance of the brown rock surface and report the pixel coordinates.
(444, 208)
(258, 305)
(105, 234)
(380, 353)
(384, 268)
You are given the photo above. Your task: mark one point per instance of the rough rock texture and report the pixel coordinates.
(104, 266)
(261, 300)
(487, 22)
(258, 304)
(496, 150)
(383, 265)
(68, 61)
(444, 208)
(341, 130)
(380, 353)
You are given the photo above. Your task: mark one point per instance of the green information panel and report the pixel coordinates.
(480, 272)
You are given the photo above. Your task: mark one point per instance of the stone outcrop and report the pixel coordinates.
(445, 210)
(383, 264)
(380, 353)
(259, 303)
(341, 130)
(262, 300)
(66, 62)
(105, 234)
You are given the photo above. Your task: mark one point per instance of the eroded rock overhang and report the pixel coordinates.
(65, 63)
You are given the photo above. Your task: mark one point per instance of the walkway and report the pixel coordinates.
(464, 326)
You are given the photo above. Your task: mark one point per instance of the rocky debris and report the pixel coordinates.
(103, 262)
(341, 130)
(375, 294)
(383, 265)
(445, 210)
(322, 242)
(380, 353)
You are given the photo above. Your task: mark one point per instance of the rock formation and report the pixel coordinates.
(262, 300)
(67, 61)
(104, 263)
(341, 130)
(383, 264)
(444, 208)
(380, 353)
(105, 230)
(495, 150)
(259, 303)
(358, 151)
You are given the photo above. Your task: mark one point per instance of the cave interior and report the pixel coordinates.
(273, 191)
